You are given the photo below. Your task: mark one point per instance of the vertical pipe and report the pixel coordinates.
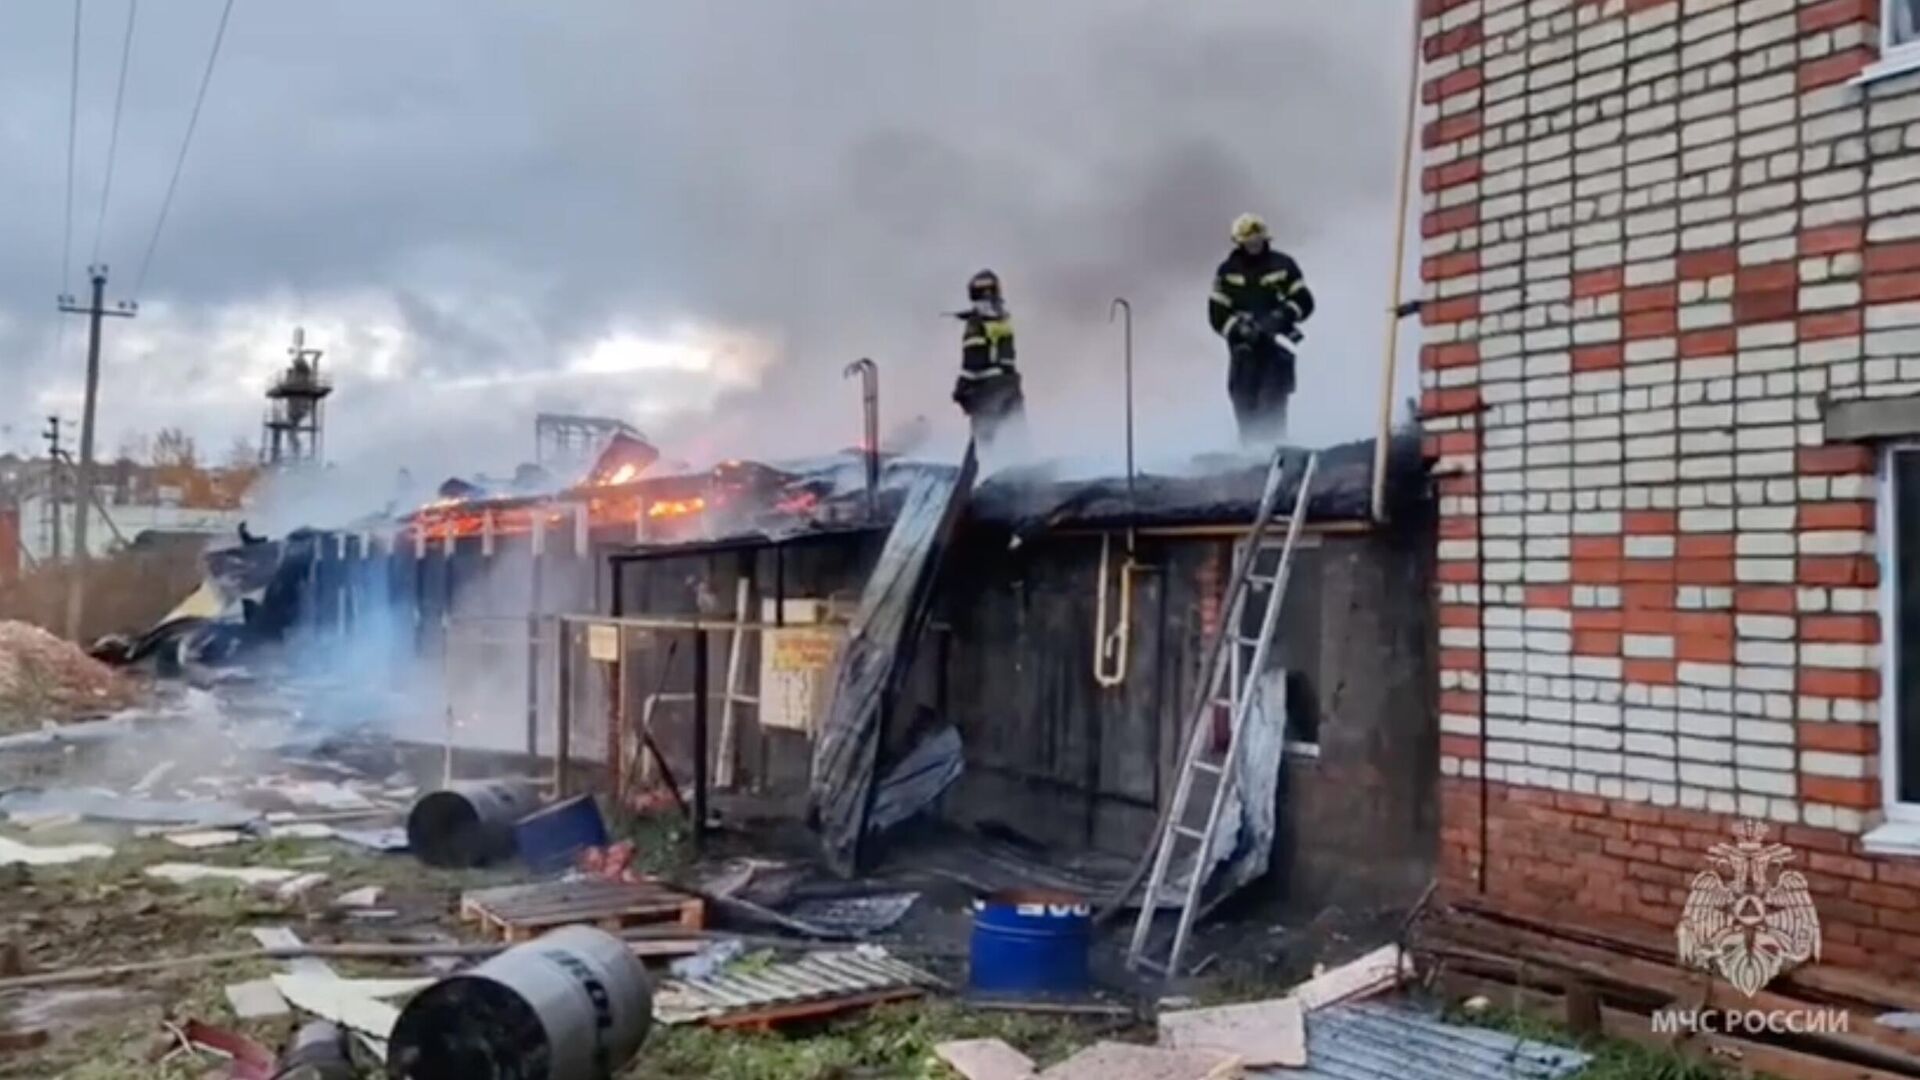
(563, 705)
(869, 373)
(1121, 305)
(534, 603)
(1391, 362)
(699, 739)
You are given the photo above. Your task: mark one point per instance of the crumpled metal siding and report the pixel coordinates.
(820, 977)
(1391, 1042)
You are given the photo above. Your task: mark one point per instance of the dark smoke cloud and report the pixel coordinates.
(462, 198)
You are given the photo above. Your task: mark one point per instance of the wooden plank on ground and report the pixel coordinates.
(985, 1059)
(1259, 1033)
(1370, 974)
(1125, 1061)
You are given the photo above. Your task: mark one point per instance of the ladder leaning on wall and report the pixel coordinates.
(1230, 679)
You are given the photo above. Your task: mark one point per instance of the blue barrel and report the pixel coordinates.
(1030, 941)
(552, 838)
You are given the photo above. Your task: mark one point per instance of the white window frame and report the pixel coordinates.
(1896, 57)
(1887, 525)
(1888, 46)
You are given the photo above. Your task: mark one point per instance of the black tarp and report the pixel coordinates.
(1218, 490)
(877, 656)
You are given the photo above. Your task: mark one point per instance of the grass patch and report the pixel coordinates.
(892, 1041)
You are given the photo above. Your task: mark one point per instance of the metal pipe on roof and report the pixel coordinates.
(1395, 313)
(869, 373)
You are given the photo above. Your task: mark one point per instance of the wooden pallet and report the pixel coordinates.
(516, 913)
(767, 1018)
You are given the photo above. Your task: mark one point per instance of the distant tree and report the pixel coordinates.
(242, 454)
(173, 446)
(134, 446)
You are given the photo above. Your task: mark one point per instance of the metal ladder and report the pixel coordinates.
(1230, 679)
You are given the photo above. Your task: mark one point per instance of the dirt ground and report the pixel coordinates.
(238, 747)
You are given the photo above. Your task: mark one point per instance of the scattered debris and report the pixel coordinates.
(520, 912)
(1621, 978)
(300, 886)
(1903, 1021)
(301, 830)
(325, 794)
(338, 1000)
(713, 956)
(1258, 1033)
(985, 1059)
(1366, 1041)
(43, 677)
(101, 805)
(211, 838)
(1124, 1061)
(858, 916)
(17, 1040)
(919, 779)
(251, 1061)
(256, 1000)
(387, 839)
(13, 851)
(282, 939)
(1379, 970)
(364, 897)
(153, 776)
(184, 873)
(318, 1051)
(819, 985)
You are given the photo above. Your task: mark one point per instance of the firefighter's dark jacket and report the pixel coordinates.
(1251, 286)
(986, 346)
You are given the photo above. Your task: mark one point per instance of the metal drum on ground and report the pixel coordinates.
(1030, 941)
(572, 1005)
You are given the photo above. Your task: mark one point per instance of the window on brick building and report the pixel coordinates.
(1901, 21)
(1900, 709)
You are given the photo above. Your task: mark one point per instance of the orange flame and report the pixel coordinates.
(672, 508)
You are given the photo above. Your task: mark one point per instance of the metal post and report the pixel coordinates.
(869, 373)
(699, 739)
(1122, 306)
(563, 708)
(76, 583)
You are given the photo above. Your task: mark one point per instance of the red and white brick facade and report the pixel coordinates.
(1660, 236)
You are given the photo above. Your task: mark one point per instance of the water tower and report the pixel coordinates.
(294, 407)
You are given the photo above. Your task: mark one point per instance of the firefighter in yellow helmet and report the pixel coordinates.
(988, 390)
(1259, 301)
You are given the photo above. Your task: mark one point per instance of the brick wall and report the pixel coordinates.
(1555, 853)
(1658, 235)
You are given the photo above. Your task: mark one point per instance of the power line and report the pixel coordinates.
(73, 127)
(113, 136)
(193, 121)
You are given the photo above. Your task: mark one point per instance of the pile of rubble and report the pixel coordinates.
(45, 678)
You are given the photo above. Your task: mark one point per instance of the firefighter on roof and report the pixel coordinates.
(1259, 301)
(988, 390)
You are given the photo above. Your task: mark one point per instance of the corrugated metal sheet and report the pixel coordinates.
(820, 977)
(1394, 1042)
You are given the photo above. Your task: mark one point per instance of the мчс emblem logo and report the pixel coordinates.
(1749, 915)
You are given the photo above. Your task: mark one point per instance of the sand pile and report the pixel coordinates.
(45, 678)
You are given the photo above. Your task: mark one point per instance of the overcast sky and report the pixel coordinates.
(690, 215)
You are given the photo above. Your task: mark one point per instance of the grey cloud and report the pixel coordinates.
(520, 180)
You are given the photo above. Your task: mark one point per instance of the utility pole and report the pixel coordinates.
(76, 583)
(53, 482)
